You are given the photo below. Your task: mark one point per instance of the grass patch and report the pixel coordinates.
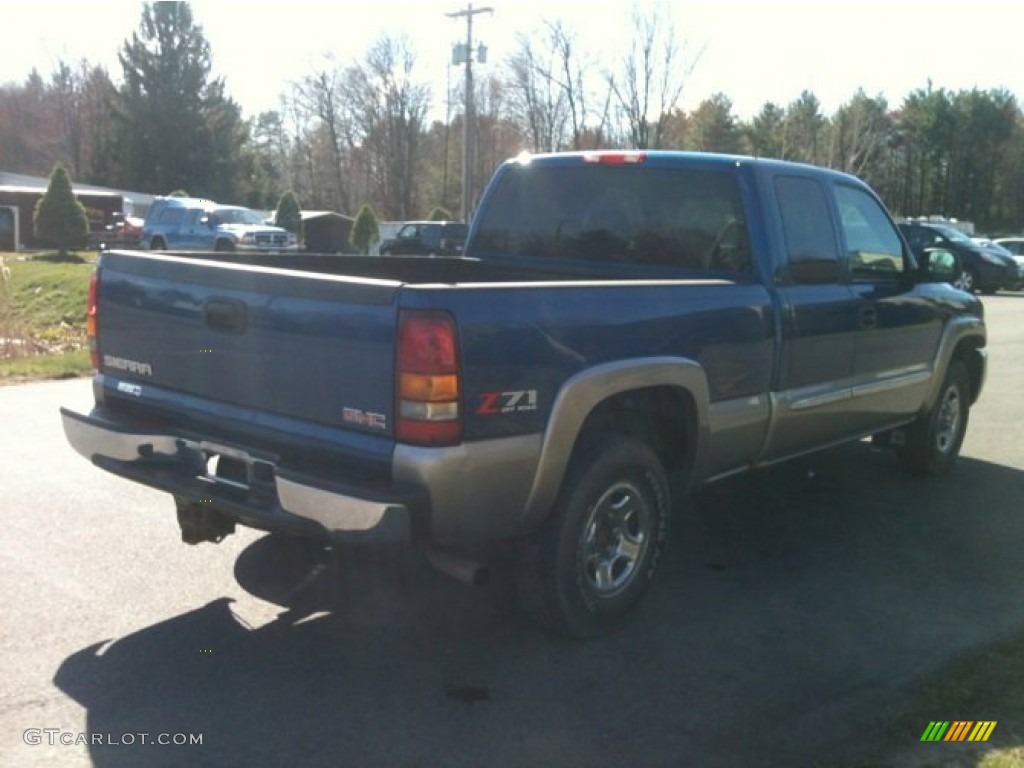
(62, 365)
(42, 294)
(42, 315)
(987, 685)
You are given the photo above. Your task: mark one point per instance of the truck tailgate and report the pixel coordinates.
(310, 346)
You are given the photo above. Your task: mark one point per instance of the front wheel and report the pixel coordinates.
(587, 569)
(933, 442)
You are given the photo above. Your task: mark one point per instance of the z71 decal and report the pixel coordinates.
(517, 401)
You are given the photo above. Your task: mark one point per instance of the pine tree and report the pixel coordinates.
(289, 214)
(60, 219)
(176, 126)
(365, 231)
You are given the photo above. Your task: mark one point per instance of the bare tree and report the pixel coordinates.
(861, 129)
(650, 80)
(549, 93)
(66, 86)
(537, 100)
(387, 108)
(587, 125)
(803, 130)
(298, 126)
(319, 95)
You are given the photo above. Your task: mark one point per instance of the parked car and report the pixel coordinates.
(123, 231)
(427, 238)
(982, 268)
(194, 224)
(1015, 245)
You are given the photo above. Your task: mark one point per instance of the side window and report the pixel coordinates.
(873, 249)
(191, 217)
(808, 229)
(914, 239)
(171, 215)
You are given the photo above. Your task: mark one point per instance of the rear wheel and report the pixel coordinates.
(933, 441)
(157, 244)
(224, 246)
(587, 569)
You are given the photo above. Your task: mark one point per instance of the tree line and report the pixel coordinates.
(368, 131)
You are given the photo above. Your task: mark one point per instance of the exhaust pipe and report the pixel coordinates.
(467, 571)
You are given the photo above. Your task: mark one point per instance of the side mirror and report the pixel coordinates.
(940, 266)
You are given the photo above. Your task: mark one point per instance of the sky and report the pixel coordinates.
(753, 51)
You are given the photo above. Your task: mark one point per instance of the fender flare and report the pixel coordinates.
(583, 392)
(956, 331)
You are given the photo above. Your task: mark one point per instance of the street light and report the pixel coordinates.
(463, 54)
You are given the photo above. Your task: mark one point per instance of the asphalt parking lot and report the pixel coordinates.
(798, 609)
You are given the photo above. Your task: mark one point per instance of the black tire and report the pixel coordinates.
(157, 244)
(933, 442)
(223, 246)
(585, 571)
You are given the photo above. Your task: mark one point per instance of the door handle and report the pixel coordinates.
(867, 317)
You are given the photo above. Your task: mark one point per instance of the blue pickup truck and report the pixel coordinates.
(621, 328)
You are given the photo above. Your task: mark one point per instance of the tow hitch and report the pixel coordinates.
(201, 522)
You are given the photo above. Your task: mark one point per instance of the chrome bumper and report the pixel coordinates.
(288, 500)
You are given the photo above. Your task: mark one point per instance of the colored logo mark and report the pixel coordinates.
(958, 730)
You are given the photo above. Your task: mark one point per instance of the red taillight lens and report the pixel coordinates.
(428, 379)
(91, 316)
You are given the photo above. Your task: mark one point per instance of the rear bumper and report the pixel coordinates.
(277, 498)
(462, 497)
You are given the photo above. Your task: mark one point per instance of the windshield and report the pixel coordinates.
(235, 216)
(954, 235)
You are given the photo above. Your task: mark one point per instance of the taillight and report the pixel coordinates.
(91, 316)
(428, 379)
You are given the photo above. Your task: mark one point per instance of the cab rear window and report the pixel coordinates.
(691, 219)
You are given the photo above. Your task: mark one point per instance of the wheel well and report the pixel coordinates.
(663, 417)
(965, 352)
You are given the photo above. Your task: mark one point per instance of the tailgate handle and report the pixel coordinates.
(224, 315)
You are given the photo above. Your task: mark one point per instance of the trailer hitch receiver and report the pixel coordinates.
(200, 522)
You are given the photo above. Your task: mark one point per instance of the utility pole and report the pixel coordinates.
(466, 57)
